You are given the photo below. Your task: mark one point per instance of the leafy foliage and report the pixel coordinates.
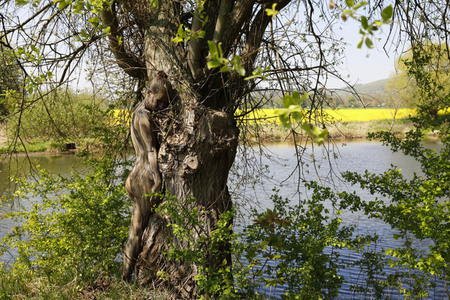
(70, 228)
(293, 247)
(11, 80)
(368, 28)
(418, 208)
(61, 116)
(293, 114)
(422, 78)
(208, 252)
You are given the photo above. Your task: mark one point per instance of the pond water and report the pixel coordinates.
(19, 166)
(275, 167)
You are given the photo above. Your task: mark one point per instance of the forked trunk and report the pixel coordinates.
(197, 147)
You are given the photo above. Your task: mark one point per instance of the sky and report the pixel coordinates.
(364, 65)
(360, 66)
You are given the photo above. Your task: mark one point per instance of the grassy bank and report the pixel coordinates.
(27, 286)
(263, 124)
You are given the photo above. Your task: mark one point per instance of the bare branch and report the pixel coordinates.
(222, 20)
(255, 36)
(128, 62)
(194, 51)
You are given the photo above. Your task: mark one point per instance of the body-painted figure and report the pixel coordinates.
(145, 178)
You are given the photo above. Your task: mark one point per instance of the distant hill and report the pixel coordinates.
(374, 87)
(372, 92)
(371, 88)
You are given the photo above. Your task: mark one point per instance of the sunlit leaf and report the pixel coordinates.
(238, 66)
(272, 12)
(225, 68)
(360, 43)
(64, 4)
(213, 64)
(21, 2)
(214, 53)
(287, 100)
(360, 4)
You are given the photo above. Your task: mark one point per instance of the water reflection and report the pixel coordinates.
(27, 166)
(256, 174)
(278, 168)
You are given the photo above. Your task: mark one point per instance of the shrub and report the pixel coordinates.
(70, 228)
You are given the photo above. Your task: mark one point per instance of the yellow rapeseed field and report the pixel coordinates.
(340, 115)
(269, 116)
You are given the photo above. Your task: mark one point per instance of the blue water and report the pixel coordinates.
(262, 169)
(276, 166)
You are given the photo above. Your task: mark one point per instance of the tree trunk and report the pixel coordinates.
(197, 147)
(194, 160)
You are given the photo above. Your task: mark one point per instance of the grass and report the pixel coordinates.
(30, 147)
(23, 285)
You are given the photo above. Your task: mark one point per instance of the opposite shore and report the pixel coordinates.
(254, 133)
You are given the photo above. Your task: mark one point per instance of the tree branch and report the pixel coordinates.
(22, 25)
(222, 20)
(194, 51)
(240, 14)
(257, 30)
(83, 47)
(130, 64)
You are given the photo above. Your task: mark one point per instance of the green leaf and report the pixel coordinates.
(297, 116)
(219, 47)
(238, 66)
(369, 43)
(181, 35)
(288, 101)
(364, 22)
(296, 97)
(272, 12)
(21, 2)
(64, 4)
(284, 117)
(213, 64)
(79, 7)
(360, 43)
(318, 135)
(34, 49)
(94, 21)
(350, 3)
(386, 14)
(225, 68)
(214, 53)
(240, 70)
(360, 4)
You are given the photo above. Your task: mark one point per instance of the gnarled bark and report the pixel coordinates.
(194, 161)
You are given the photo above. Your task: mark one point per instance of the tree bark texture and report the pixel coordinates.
(197, 135)
(194, 161)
